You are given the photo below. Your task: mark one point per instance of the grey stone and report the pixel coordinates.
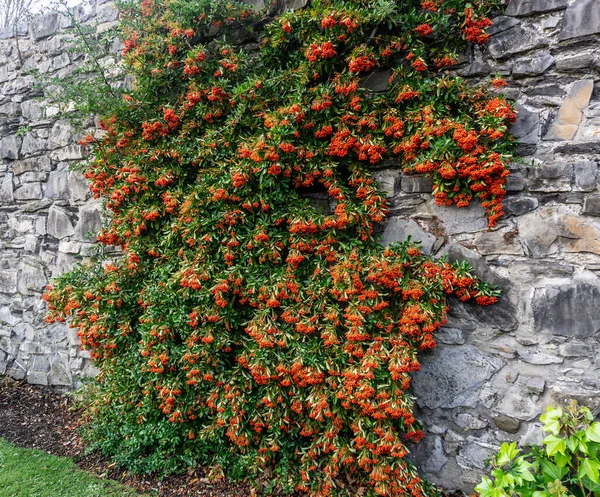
(469, 421)
(576, 63)
(450, 336)
(78, 186)
(474, 455)
(526, 129)
(533, 436)
(475, 69)
(399, 230)
(90, 221)
(539, 358)
(533, 384)
(514, 41)
(444, 382)
(581, 19)
(529, 7)
(551, 177)
(6, 189)
(387, 181)
(8, 281)
(31, 110)
(42, 27)
(517, 404)
(59, 223)
(61, 135)
(464, 220)
(586, 176)
(32, 145)
(6, 317)
(430, 455)
(516, 182)
(575, 349)
(517, 206)
(57, 185)
(29, 191)
(502, 23)
(502, 241)
(32, 277)
(71, 152)
(568, 309)
(417, 184)
(506, 423)
(533, 67)
(538, 232)
(591, 205)
(9, 147)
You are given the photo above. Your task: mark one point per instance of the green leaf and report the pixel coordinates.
(552, 471)
(554, 445)
(589, 468)
(593, 432)
(541, 493)
(590, 485)
(484, 489)
(507, 453)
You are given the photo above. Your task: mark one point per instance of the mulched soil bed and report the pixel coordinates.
(37, 418)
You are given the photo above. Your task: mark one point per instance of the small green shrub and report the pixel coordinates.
(566, 466)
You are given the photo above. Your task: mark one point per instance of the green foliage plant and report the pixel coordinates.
(246, 327)
(566, 466)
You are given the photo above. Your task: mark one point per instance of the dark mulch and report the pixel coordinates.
(37, 418)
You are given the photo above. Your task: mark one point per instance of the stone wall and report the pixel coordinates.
(495, 368)
(45, 209)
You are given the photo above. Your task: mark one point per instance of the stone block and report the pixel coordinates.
(417, 184)
(533, 67)
(551, 177)
(9, 147)
(526, 128)
(29, 191)
(586, 176)
(503, 241)
(569, 116)
(582, 18)
(568, 309)
(529, 7)
(399, 230)
(78, 186)
(90, 221)
(517, 404)
(506, 423)
(44, 26)
(32, 277)
(591, 205)
(57, 185)
(514, 41)
(71, 152)
(444, 382)
(32, 110)
(517, 206)
(60, 135)
(59, 223)
(576, 63)
(32, 145)
(8, 281)
(6, 189)
(387, 181)
(464, 220)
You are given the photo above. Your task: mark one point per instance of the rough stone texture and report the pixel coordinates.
(45, 211)
(528, 7)
(495, 368)
(571, 112)
(581, 19)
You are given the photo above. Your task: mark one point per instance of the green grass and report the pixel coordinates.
(32, 473)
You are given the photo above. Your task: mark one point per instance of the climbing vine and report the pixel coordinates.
(246, 327)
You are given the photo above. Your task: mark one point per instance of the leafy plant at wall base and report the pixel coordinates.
(566, 466)
(246, 327)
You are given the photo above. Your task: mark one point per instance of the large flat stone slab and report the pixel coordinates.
(529, 7)
(570, 310)
(569, 116)
(582, 18)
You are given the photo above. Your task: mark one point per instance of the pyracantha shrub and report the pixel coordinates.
(246, 327)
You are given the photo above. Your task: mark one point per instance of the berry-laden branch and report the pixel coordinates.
(247, 328)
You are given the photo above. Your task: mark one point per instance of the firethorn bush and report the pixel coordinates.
(246, 328)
